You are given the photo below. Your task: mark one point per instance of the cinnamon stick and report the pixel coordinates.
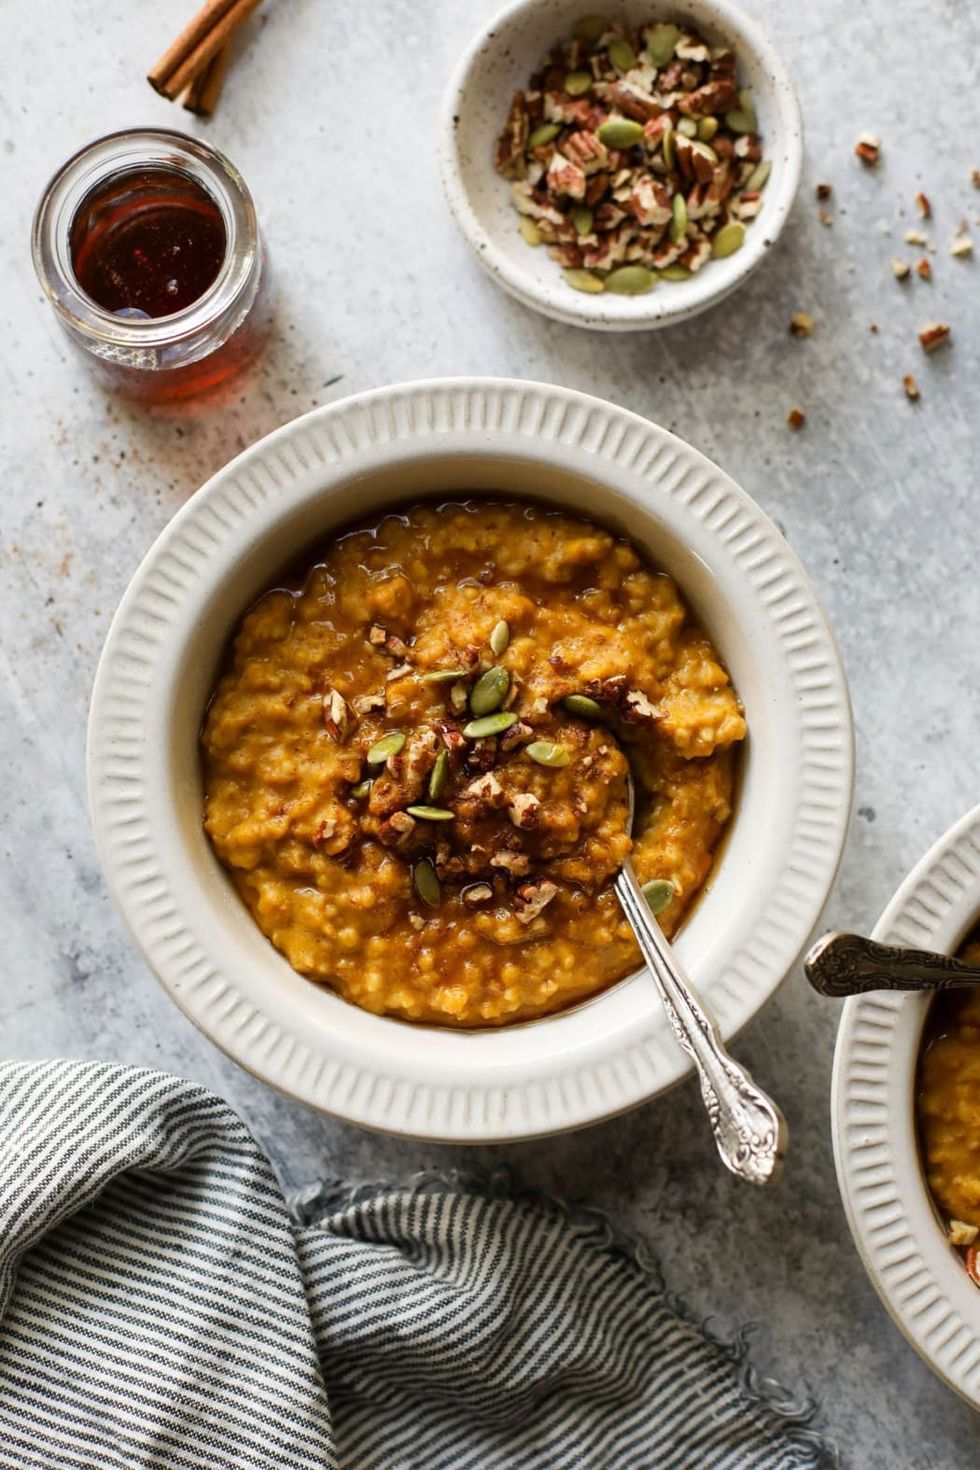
(190, 36)
(222, 26)
(203, 93)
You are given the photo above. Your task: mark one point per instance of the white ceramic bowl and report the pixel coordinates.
(918, 1276)
(501, 60)
(226, 545)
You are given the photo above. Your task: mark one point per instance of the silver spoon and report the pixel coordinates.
(847, 964)
(749, 1129)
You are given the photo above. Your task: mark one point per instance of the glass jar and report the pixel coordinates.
(159, 357)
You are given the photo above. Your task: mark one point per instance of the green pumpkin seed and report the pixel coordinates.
(499, 637)
(439, 776)
(580, 280)
(583, 219)
(426, 883)
(630, 280)
(658, 894)
(384, 748)
(675, 273)
(444, 676)
(688, 127)
(584, 707)
(728, 239)
(668, 148)
(622, 55)
(546, 133)
(589, 28)
(578, 82)
(759, 177)
(489, 691)
(620, 132)
(678, 225)
(431, 813)
(361, 790)
(740, 121)
(546, 753)
(489, 725)
(661, 44)
(529, 231)
(707, 127)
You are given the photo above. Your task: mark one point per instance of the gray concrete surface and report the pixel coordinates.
(331, 115)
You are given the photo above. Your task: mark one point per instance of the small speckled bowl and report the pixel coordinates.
(500, 62)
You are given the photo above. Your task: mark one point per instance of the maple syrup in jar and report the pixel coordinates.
(146, 243)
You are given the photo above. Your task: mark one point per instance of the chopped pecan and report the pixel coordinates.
(398, 672)
(513, 139)
(336, 716)
(911, 388)
(961, 246)
(901, 269)
(565, 177)
(634, 103)
(486, 790)
(824, 191)
(923, 206)
(477, 893)
(923, 268)
(801, 325)
(649, 202)
(531, 898)
(961, 1233)
(517, 864)
(718, 95)
(482, 754)
(524, 810)
(585, 150)
(637, 708)
(796, 418)
(451, 735)
(518, 734)
(868, 149)
(396, 831)
(446, 864)
(366, 704)
(377, 635)
(934, 335)
(396, 646)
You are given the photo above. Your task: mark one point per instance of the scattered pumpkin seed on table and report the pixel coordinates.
(489, 691)
(489, 725)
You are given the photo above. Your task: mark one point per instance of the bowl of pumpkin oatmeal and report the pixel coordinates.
(906, 1108)
(359, 745)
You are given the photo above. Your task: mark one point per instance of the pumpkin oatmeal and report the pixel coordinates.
(414, 760)
(949, 1112)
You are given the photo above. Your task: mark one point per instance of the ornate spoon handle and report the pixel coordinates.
(748, 1127)
(847, 964)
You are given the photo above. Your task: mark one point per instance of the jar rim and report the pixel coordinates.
(122, 152)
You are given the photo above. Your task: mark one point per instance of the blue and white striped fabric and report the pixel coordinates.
(159, 1307)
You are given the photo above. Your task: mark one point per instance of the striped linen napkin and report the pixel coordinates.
(160, 1307)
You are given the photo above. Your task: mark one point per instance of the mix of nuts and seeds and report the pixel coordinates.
(634, 156)
(475, 795)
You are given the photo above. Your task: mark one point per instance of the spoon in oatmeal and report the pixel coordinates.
(748, 1127)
